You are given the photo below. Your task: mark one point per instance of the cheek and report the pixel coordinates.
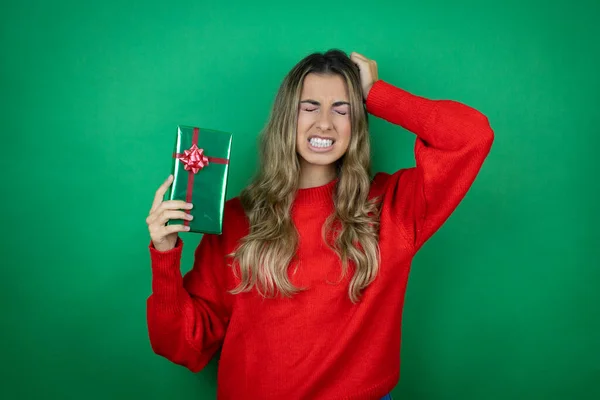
(344, 129)
(304, 122)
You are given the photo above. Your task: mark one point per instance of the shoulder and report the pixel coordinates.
(233, 209)
(384, 181)
(379, 181)
(235, 220)
(235, 226)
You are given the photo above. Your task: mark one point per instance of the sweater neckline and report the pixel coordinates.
(316, 195)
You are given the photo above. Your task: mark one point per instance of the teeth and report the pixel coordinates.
(317, 142)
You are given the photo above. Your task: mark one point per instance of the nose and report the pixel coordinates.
(324, 121)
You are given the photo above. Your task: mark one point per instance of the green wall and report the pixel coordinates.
(502, 302)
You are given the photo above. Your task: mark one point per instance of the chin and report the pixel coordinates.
(322, 159)
(322, 163)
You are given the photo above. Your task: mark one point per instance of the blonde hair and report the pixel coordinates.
(264, 255)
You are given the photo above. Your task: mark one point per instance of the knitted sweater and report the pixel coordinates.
(318, 344)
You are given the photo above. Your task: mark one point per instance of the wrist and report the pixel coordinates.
(165, 246)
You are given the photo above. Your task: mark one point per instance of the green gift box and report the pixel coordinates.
(200, 171)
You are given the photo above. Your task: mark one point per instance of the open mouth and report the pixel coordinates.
(320, 143)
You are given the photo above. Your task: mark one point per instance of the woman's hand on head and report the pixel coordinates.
(368, 72)
(164, 237)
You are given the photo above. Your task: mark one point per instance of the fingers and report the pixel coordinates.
(360, 59)
(163, 234)
(167, 215)
(365, 64)
(374, 73)
(171, 209)
(157, 223)
(160, 193)
(175, 228)
(175, 205)
(354, 56)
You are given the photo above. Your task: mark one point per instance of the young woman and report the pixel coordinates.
(303, 292)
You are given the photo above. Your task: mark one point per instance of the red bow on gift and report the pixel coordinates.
(193, 159)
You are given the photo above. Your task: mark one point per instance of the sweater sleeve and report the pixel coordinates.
(187, 316)
(452, 142)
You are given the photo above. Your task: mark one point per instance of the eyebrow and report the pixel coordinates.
(316, 103)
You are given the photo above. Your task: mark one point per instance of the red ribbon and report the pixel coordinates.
(194, 161)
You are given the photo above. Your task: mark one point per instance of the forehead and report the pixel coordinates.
(324, 87)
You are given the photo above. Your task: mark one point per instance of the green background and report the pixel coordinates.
(502, 303)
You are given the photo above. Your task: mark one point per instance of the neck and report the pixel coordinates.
(316, 175)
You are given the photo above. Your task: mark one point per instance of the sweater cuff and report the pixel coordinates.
(400, 107)
(167, 281)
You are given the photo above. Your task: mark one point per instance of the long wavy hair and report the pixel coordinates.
(265, 254)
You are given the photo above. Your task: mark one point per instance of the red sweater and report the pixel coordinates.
(318, 345)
